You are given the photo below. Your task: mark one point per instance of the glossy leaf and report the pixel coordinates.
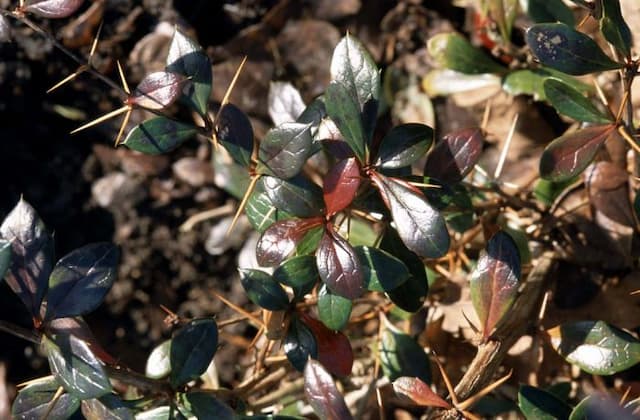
(354, 68)
(310, 242)
(455, 155)
(343, 109)
(299, 344)
(595, 346)
(419, 392)
(5, 257)
(107, 407)
(600, 407)
(261, 211)
(537, 404)
(339, 266)
(411, 294)
(74, 365)
(159, 361)
(79, 329)
(229, 175)
(235, 133)
(297, 196)
(452, 51)
(263, 290)
(53, 9)
(158, 135)
(334, 310)
(285, 103)
(381, 271)
(158, 413)
(81, 279)
(322, 393)
(300, 273)
(34, 401)
(284, 150)
(279, 241)
(542, 11)
(205, 406)
(157, 90)
(495, 280)
(187, 58)
(341, 185)
(420, 226)
(547, 191)
(32, 255)
(531, 82)
(569, 154)
(563, 48)
(404, 144)
(192, 349)
(400, 355)
(334, 349)
(5, 29)
(571, 103)
(614, 28)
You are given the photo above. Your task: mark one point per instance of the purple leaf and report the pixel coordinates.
(157, 90)
(454, 156)
(54, 9)
(322, 393)
(495, 281)
(280, 239)
(339, 266)
(341, 185)
(419, 392)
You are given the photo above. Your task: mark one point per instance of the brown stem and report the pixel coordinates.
(24, 333)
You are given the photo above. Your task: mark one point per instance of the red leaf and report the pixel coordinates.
(280, 239)
(334, 350)
(322, 393)
(54, 9)
(157, 90)
(419, 392)
(454, 155)
(341, 185)
(339, 266)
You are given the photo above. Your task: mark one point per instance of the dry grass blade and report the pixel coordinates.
(239, 310)
(475, 398)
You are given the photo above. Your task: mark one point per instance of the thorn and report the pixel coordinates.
(103, 118)
(52, 403)
(34, 381)
(471, 324)
(474, 399)
(505, 149)
(94, 45)
(227, 94)
(446, 380)
(69, 78)
(625, 135)
(239, 310)
(625, 98)
(243, 203)
(125, 121)
(125, 86)
(486, 114)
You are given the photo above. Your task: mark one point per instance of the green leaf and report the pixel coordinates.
(537, 404)
(400, 355)
(404, 145)
(495, 281)
(454, 52)
(542, 11)
(334, 310)
(159, 361)
(108, 407)
(344, 111)
(568, 155)
(284, 150)
(192, 349)
(614, 28)
(339, 266)
(280, 240)
(299, 344)
(229, 175)
(32, 255)
(354, 68)
(261, 211)
(547, 191)
(323, 395)
(205, 406)
(310, 241)
(563, 48)
(503, 13)
(421, 227)
(81, 279)
(382, 271)
(5, 257)
(74, 365)
(34, 401)
(158, 135)
(297, 196)
(300, 273)
(568, 101)
(531, 82)
(187, 58)
(263, 290)
(235, 133)
(595, 346)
